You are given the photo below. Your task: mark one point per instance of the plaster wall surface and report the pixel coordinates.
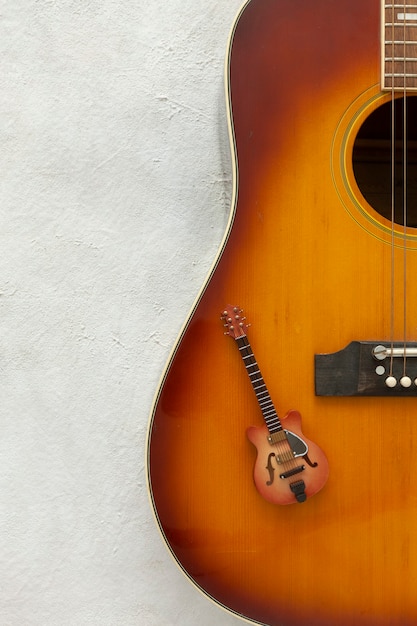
(115, 184)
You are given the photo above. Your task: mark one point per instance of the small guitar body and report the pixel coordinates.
(321, 252)
(272, 476)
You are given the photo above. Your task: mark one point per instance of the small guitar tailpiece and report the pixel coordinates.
(298, 489)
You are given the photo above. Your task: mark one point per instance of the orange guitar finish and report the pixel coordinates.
(309, 260)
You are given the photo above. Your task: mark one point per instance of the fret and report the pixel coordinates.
(270, 417)
(401, 5)
(255, 380)
(273, 430)
(266, 408)
(263, 403)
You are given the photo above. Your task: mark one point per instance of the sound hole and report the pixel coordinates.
(372, 156)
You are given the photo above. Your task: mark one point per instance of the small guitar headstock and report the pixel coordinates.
(234, 322)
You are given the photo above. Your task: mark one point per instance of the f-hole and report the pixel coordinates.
(372, 156)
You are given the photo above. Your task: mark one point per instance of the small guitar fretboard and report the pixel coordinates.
(399, 45)
(271, 418)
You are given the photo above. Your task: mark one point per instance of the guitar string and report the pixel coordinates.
(404, 185)
(393, 133)
(405, 206)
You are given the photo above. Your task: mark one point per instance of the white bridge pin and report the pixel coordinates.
(390, 381)
(405, 381)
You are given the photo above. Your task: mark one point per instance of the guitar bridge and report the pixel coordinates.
(368, 368)
(292, 472)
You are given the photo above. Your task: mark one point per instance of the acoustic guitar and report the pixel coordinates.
(276, 526)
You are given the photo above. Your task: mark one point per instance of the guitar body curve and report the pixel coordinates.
(309, 261)
(268, 475)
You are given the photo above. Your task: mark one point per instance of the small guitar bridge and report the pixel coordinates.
(293, 472)
(368, 368)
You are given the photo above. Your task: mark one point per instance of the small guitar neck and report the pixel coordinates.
(399, 45)
(266, 405)
(236, 328)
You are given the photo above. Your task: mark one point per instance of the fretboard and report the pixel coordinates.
(399, 45)
(271, 418)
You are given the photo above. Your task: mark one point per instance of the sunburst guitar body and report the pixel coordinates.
(321, 254)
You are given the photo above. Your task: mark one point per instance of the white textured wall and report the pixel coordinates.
(115, 184)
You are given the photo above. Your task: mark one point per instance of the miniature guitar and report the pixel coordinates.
(283, 472)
